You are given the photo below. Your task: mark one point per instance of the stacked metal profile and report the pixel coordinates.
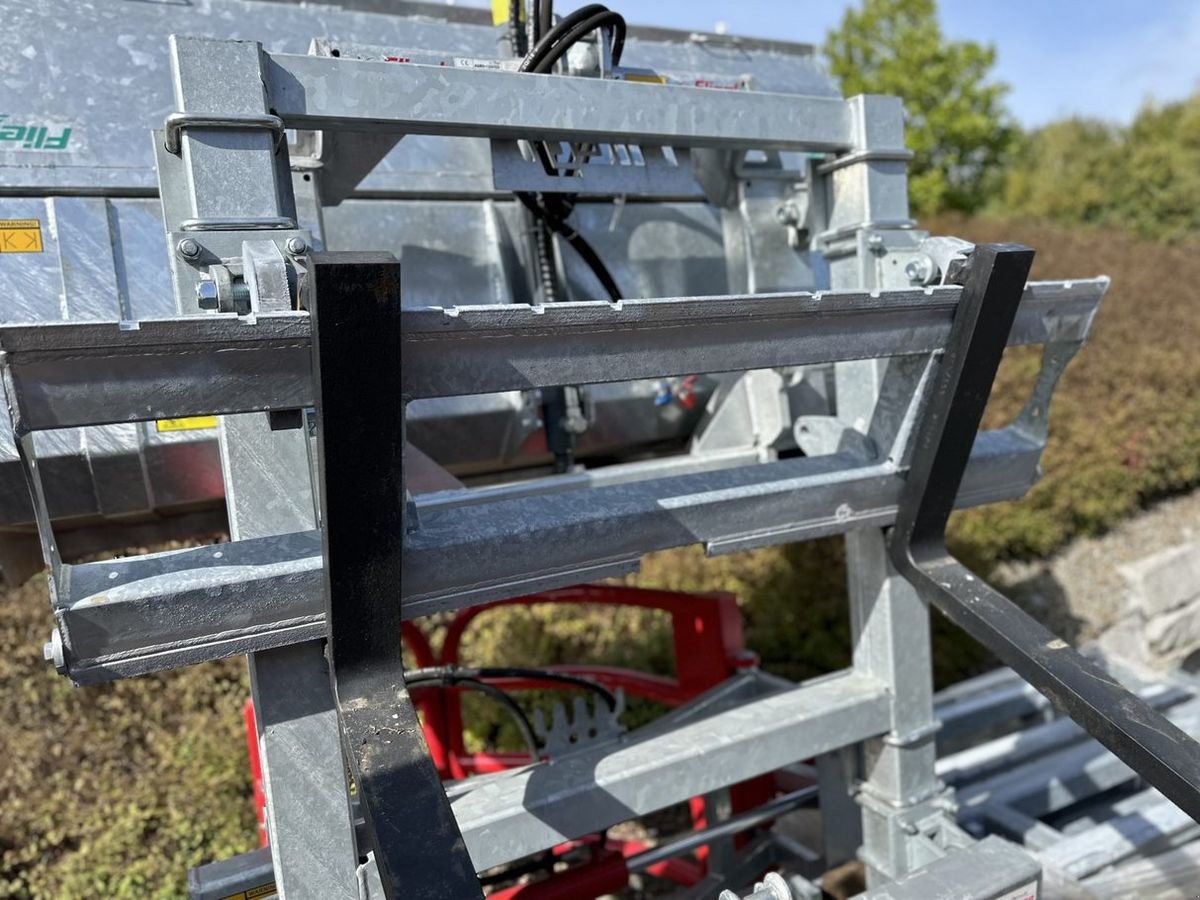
(826, 282)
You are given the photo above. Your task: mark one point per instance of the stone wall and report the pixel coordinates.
(1159, 626)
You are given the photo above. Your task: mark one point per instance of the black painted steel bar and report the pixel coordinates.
(355, 300)
(1152, 746)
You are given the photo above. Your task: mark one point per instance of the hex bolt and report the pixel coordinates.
(920, 270)
(875, 243)
(188, 248)
(206, 294)
(296, 246)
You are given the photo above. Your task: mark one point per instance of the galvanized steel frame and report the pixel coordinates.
(238, 180)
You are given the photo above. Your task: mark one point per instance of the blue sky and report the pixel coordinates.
(1099, 58)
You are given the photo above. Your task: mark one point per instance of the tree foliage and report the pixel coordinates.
(957, 125)
(1145, 177)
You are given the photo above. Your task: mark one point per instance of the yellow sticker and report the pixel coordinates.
(500, 11)
(645, 79)
(20, 236)
(189, 424)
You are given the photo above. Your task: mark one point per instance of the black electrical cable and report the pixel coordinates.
(448, 679)
(478, 673)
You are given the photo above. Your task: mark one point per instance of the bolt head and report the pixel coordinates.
(787, 214)
(206, 294)
(188, 248)
(296, 246)
(52, 650)
(920, 270)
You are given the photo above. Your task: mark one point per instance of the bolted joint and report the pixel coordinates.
(296, 246)
(921, 271)
(188, 249)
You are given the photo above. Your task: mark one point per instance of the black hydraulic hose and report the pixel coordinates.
(551, 37)
(545, 62)
(554, 213)
(454, 673)
(609, 698)
(451, 680)
(543, 18)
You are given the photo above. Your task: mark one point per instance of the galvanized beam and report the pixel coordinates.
(313, 92)
(538, 807)
(61, 375)
(141, 614)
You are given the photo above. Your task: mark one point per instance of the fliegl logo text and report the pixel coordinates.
(31, 137)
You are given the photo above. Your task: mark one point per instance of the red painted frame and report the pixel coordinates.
(709, 647)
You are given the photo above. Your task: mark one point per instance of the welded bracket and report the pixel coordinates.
(356, 343)
(1152, 746)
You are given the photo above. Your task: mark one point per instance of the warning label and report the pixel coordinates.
(189, 424)
(20, 236)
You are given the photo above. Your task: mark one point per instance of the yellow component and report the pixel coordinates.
(263, 890)
(189, 424)
(500, 11)
(20, 236)
(645, 79)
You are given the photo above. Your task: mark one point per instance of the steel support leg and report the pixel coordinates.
(1159, 751)
(267, 489)
(355, 302)
(890, 627)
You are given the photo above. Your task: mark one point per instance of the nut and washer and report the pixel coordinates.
(296, 246)
(188, 248)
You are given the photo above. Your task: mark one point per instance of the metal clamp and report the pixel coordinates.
(1140, 736)
(176, 122)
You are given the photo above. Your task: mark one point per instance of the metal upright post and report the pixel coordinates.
(268, 491)
(267, 475)
(867, 219)
(890, 627)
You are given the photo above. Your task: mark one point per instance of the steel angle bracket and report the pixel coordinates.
(355, 307)
(1152, 746)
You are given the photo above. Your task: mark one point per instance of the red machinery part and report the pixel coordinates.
(708, 647)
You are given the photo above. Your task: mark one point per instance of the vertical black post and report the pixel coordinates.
(354, 299)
